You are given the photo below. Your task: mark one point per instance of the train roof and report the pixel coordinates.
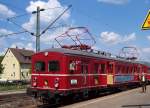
(88, 54)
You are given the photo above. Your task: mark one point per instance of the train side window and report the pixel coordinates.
(40, 66)
(123, 69)
(96, 68)
(84, 68)
(138, 70)
(103, 68)
(72, 66)
(127, 69)
(148, 70)
(135, 70)
(110, 68)
(130, 70)
(53, 66)
(118, 68)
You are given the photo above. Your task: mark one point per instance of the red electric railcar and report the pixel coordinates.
(76, 69)
(60, 72)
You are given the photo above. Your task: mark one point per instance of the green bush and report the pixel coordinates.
(11, 86)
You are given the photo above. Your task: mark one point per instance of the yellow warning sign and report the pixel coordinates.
(146, 24)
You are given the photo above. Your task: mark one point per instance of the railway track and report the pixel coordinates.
(72, 101)
(98, 95)
(20, 100)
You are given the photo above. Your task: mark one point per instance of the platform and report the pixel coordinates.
(127, 99)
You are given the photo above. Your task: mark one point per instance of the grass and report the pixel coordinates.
(6, 87)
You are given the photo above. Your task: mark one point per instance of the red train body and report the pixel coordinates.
(59, 72)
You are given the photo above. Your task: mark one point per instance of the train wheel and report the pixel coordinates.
(37, 101)
(77, 97)
(85, 94)
(58, 100)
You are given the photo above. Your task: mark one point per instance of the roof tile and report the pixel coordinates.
(22, 55)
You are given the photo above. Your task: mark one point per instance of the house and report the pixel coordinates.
(17, 64)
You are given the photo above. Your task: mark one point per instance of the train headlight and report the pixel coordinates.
(34, 84)
(35, 81)
(46, 53)
(56, 85)
(46, 83)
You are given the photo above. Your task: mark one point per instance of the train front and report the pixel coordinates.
(46, 80)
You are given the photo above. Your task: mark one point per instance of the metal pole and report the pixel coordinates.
(38, 30)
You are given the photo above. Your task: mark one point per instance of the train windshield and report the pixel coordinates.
(53, 66)
(40, 66)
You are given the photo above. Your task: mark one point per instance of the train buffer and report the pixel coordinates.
(127, 99)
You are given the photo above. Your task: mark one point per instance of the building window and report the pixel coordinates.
(40, 66)
(13, 65)
(22, 74)
(53, 66)
(27, 74)
(14, 74)
(29, 58)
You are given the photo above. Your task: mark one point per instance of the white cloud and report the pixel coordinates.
(17, 44)
(22, 45)
(115, 38)
(2, 42)
(118, 2)
(46, 16)
(48, 37)
(4, 31)
(30, 46)
(4, 51)
(110, 37)
(148, 37)
(6, 12)
(30, 25)
(130, 37)
(146, 50)
(145, 54)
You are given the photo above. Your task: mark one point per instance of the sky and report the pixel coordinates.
(113, 23)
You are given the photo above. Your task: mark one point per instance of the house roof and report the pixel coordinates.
(22, 55)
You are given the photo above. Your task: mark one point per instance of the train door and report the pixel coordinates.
(84, 71)
(102, 71)
(110, 72)
(139, 71)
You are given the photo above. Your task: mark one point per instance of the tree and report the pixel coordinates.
(1, 58)
(1, 66)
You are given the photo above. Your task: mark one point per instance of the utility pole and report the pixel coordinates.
(38, 33)
(37, 12)
(38, 29)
